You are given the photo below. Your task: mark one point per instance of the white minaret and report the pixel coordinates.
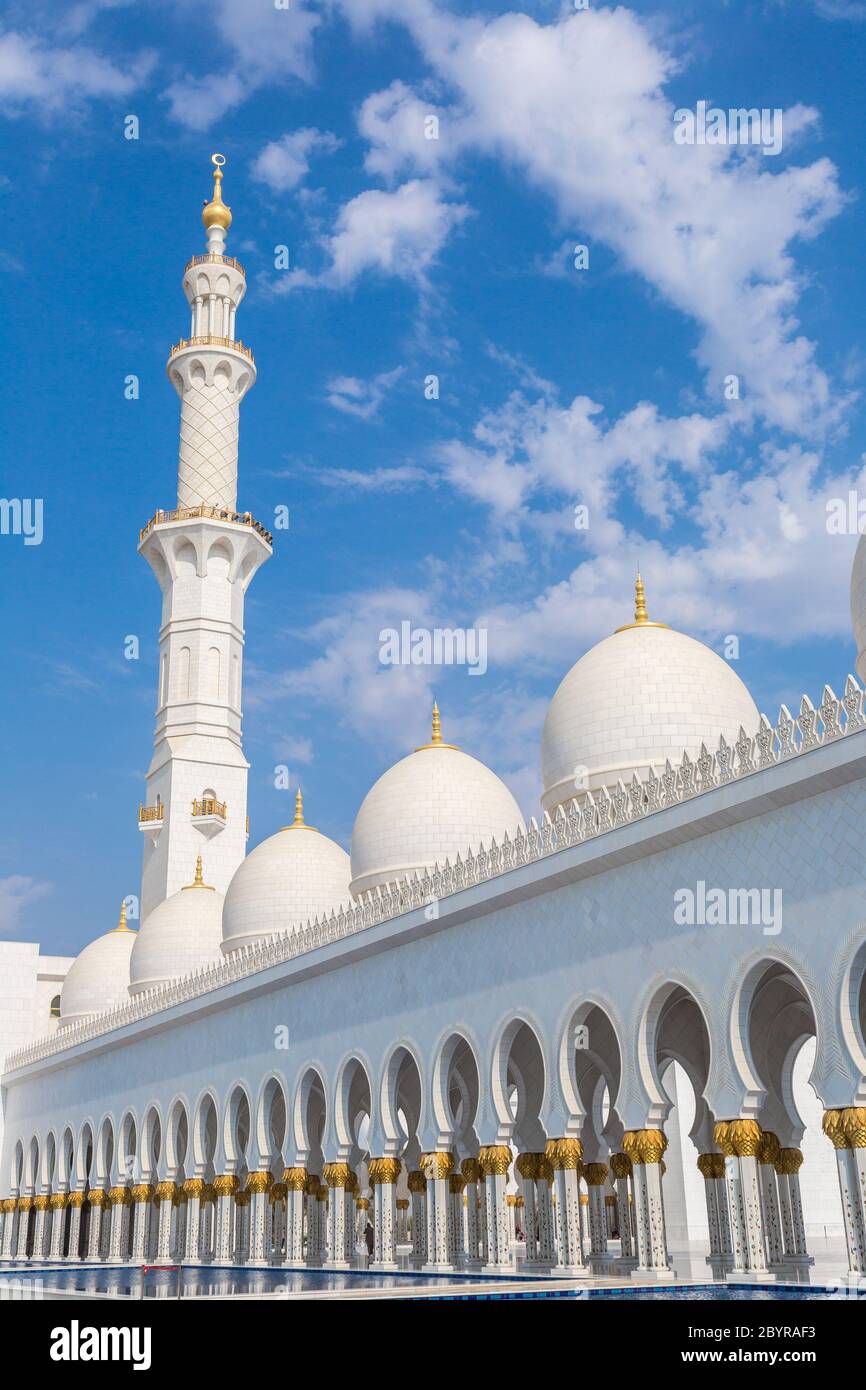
(204, 555)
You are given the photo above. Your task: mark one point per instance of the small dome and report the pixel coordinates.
(98, 978)
(858, 605)
(431, 806)
(642, 696)
(182, 934)
(286, 881)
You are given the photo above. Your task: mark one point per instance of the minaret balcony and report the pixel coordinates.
(209, 816)
(212, 259)
(151, 820)
(211, 340)
(211, 513)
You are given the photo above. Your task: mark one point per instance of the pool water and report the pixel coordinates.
(214, 1282)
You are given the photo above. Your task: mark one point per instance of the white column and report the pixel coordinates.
(383, 1174)
(564, 1155)
(595, 1175)
(418, 1195)
(119, 1205)
(225, 1187)
(10, 1229)
(76, 1203)
(851, 1189)
(97, 1200)
(58, 1224)
(164, 1198)
(768, 1156)
(471, 1172)
(337, 1175)
(620, 1164)
(645, 1148)
(42, 1234)
(142, 1197)
(495, 1160)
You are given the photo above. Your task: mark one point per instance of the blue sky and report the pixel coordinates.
(410, 257)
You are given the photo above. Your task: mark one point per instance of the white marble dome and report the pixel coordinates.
(639, 697)
(98, 978)
(858, 605)
(434, 804)
(182, 934)
(286, 881)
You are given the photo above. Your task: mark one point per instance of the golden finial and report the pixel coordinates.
(640, 613)
(299, 823)
(436, 737)
(216, 213)
(437, 725)
(641, 617)
(198, 881)
(122, 924)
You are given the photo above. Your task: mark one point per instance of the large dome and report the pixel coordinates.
(431, 806)
(98, 978)
(182, 934)
(287, 880)
(637, 698)
(858, 605)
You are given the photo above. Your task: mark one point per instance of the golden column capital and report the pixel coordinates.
(194, 1187)
(97, 1197)
(745, 1138)
(644, 1145)
(854, 1125)
(278, 1193)
(494, 1160)
(416, 1180)
(295, 1179)
(226, 1185)
(119, 1197)
(58, 1201)
(437, 1164)
(456, 1183)
(42, 1202)
(337, 1174)
(528, 1165)
(259, 1181)
(790, 1162)
(141, 1192)
(620, 1165)
(471, 1169)
(595, 1174)
(402, 1203)
(25, 1203)
(770, 1148)
(564, 1154)
(385, 1170)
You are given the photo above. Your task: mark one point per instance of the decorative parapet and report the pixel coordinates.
(211, 513)
(209, 806)
(211, 340)
(212, 259)
(593, 816)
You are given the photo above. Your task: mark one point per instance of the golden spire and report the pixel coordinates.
(198, 881)
(299, 823)
(436, 736)
(437, 725)
(641, 617)
(122, 924)
(216, 213)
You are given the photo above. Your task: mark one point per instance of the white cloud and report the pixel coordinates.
(266, 45)
(397, 233)
(355, 396)
(579, 105)
(283, 163)
(56, 80)
(17, 892)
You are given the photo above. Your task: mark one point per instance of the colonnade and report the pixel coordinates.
(452, 1213)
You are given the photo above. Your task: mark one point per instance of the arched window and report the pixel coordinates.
(54, 1010)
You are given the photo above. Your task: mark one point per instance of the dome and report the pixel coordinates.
(98, 978)
(287, 880)
(431, 806)
(858, 605)
(182, 934)
(639, 697)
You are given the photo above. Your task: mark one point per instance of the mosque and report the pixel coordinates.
(562, 1044)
